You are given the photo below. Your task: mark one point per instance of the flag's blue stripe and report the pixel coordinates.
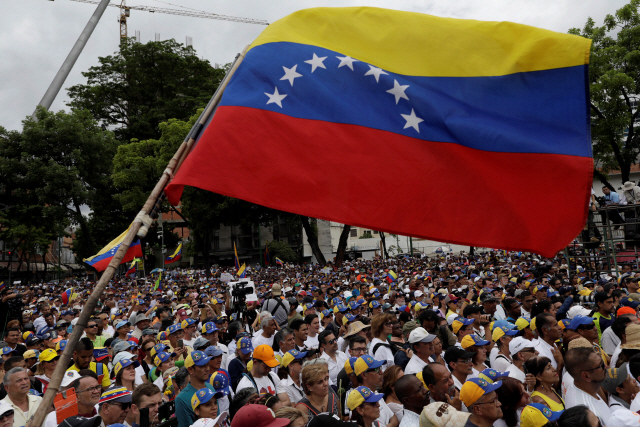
(110, 253)
(518, 113)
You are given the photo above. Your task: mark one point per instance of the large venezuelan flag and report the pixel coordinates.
(478, 131)
(101, 261)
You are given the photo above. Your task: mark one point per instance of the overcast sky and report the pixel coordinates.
(37, 35)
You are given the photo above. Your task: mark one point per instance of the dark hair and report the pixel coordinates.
(309, 318)
(508, 302)
(234, 328)
(574, 416)
(429, 316)
(536, 365)
(11, 330)
(543, 321)
(576, 358)
(470, 309)
(601, 297)
(324, 334)
(268, 400)
(88, 373)
(616, 293)
(620, 324)
(240, 399)
(84, 344)
(525, 294)
(144, 390)
(540, 307)
(634, 366)
(509, 394)
(296, 324)
(404, 317)
(10, 362)
(181, 377)
(356, 339)
(428, 376)
(108, 342)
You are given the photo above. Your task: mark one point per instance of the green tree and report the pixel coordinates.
(614, 78)
(283, 251)
(145, 84)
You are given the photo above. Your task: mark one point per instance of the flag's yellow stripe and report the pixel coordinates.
(423, 45)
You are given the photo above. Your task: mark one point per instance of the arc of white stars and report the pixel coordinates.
(276, 97)
(412, 120)
(291, 74)
(398, 91)
(316, 62)
(375, 72)
(346, 60)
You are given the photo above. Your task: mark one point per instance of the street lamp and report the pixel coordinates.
(161, 237)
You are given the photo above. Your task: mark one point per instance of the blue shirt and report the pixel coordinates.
(612, 197)
(184, 413)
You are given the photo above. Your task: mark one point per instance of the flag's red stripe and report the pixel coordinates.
(133, 252)
(349, 174)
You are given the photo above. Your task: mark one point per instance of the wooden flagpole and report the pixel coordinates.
(139, 227)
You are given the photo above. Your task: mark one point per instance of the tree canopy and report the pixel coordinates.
(145, 84)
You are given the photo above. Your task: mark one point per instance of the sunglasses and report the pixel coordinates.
(588, 327)
(148, 349)
(6, 415)
(600, 366)
(123, 406)
(330, 341)
(92, 326)
(374, 370)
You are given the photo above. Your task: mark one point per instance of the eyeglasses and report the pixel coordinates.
(466, 361)
(123, 406)
(6, 415)
(373, 370)
(96, 388)
(600, 366)
(587, 327)
(92, 326)
(388, 324)
(330, 341)
(358, 350)
(148, 349)
(492, 401)
(55, 359)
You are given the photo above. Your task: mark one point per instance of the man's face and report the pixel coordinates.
(270, 328)
(89, 391)
(289, 343)
(463, 366)
(490, 406)
(117, 412)
(489, 307)
(12, 338)
(359, 349)
(418, 396)
(303, 332)
(606, 191)
(82, 358)
(373, 379)
(20, 384)
(49, 319)
(261, 367)
(607, 305)
(201, 373)
(92, 328)
(151, 402)
(142, 325)
(527, 302)
(330, 344)
(588, 331)
(596, 369)
(444, 383)
(514, 310)
(214, 363)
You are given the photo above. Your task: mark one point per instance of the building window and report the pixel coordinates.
(375, 232)
(354, 232)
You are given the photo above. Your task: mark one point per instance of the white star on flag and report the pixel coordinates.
(275, 98)
(375, 72)
(316, 62)
(346, 60)
(290, 74)
(398, 91)
(412, 120)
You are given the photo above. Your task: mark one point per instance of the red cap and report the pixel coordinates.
(182, 313)
(452, 297)
(257, 416)
(303, 293)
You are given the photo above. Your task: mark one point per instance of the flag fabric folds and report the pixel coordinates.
(131, 271)
(266, 253)
(279, 261)
(66, 296)
(235, 251)
(242, 271)
(2, 285)
(392, 276)
(176, 255)
(101, 260)
(495, 113)
(158, 286)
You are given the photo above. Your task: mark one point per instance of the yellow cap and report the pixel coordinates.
(48, 355)
(522, 323)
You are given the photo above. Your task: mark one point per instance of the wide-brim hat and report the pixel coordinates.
(355, 327)
(627, 186)
(632, 332)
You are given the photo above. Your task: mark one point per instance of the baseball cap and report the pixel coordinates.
(537, 415)
(420, 335)
(182, 313)
(366, 362)
(245, 345)
(360, 395)
(209, 327)
(265, 353)
(450, 298)
(69, 377)
(629, 302)
(455, 353)
(491, 375)
(474, 388)
(220, 381)
(213, 351)
(157, 348)
(100, 353)
(163, 357)
(46, 355)
(339, 308)
(139, 318)
(257, 416)
(201, 396)
(123, 364)
(196, 358)
(348, 365)
(201, 343)
(121, 324)
(459, 322)
(518, 343)
(174, 328)
(440, 414)
(188, 322)
(577, 310)
(292, 355)
(471, 340)
(614, 378)
(578, 321)
(30, 354)
(116, 394)
(501, 331)
(522, 323)
(487, 297)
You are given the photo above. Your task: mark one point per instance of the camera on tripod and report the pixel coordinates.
(240, 290)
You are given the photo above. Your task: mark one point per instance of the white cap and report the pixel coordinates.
(288, 289)
(208, 422)
(420, 335)
(518, 343)
(577, 310)
(67, 379)
(123, 355)
(418, 293)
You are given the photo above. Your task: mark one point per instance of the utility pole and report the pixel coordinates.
(161, 236)
(68, 63)
(411, 244)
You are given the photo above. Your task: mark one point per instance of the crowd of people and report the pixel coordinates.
(495, 339)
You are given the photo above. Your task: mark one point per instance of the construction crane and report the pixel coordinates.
(125, 12)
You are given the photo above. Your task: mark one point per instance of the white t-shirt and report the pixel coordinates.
(515, 372)
(635, 404)
(313, 343)
(567, 382)
(415, 365)
(259, 339)
(501, 363)
(599, 407)
(383, 353)
(493, 354)
(616, 355)
(385, 413)
(264, 384)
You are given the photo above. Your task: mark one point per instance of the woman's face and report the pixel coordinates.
(524, 400)
(387, 329)
(549, 374)
(320, 388)
(167, 365)
(129, 373)
(315, 325)
(481, 354)
(208, 410)
(370, 411)
(437, 346)
(295, 368)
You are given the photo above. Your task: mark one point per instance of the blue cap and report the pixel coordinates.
(245, 345)
(133, 343)
(350, 317)
(629, 302)
(162, 357)
(353, 304)
(174, 328)
(121, 324)
(209, 327)
(341, 308)
(578, 321)
(220, 381)
(374, 304)
(499, 323)
(213, 351)
(67, 313)
(551, 294)
(491, 374)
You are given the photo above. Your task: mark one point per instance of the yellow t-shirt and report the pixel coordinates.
(102, 372)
